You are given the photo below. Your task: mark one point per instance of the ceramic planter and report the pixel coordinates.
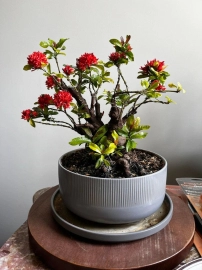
(112, 200)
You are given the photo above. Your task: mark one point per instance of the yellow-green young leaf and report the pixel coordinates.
(179, 87)
(153, 85)
(115, 136)
(44, 44)
(130, 122)
(95, 147)
(172, 85)
(79, 140)
(170, 100)
(59, 75)
(110, 149)
(32, 123)
(144, 83)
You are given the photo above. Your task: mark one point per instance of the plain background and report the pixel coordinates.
(168, 30)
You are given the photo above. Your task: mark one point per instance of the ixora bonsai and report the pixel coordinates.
(109, 180)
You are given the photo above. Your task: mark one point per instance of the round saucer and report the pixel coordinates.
(110, 232)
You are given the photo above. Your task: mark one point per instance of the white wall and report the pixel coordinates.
(168, 30)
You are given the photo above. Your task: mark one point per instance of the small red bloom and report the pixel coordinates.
(115, 56)
(51, 81)
(45, 100)
(27, 114)
(37, 60)
(86, 60)
(68, 70)
(161, 88)
(62, 99)
(155, 64)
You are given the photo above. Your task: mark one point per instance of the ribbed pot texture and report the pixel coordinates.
(112, 200)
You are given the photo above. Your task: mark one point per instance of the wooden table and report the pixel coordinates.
(16, 253)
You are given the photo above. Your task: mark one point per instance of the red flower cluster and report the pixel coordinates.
(160, 88)
(85, 61)
(155, 64)
(62, 99)
(37, 60)
(27, 114)
(115, 56)
(50, 81)
(45, 100)
(68, 70)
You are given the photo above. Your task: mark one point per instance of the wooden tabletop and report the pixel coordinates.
(63, 250)
(16, 253)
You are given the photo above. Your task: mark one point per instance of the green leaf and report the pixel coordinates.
(139, 128)
(87, 131)
(27, 67)
(109, 64)
(130, 145)
(74, 82)
(44, 44)
(101, 132)
(32, 123)
(130, 55)
(59, 75)
(49, 68)
(106, 162)
(79, 140)
(95, 147)
(61, 42)
(153, 86)
(142, 76)
(98, 163)
(144, 83)
(140, 135)
(115, 42)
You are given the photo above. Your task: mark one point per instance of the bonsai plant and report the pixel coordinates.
(110, 148)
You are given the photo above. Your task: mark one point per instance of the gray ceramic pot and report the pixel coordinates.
(112, 200)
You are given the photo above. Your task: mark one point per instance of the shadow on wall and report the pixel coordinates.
(186, 167)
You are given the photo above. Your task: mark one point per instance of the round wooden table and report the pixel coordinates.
(61, 249)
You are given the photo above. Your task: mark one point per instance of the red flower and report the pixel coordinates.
(155, 64)
(50, 81)
(115, 56)
(62, 99)
(68, 70)
(27, 114)
(45, 100)
(37, 60)
(161, 88)
(86, 60)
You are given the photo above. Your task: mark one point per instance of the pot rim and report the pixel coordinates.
(126, 178)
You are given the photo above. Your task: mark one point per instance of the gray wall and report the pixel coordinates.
(168, 30)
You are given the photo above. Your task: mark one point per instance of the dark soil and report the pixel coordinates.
(140, 163)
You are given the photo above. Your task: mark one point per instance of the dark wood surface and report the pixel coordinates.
(63, 250)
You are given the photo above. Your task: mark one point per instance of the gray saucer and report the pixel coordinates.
(110, 232)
